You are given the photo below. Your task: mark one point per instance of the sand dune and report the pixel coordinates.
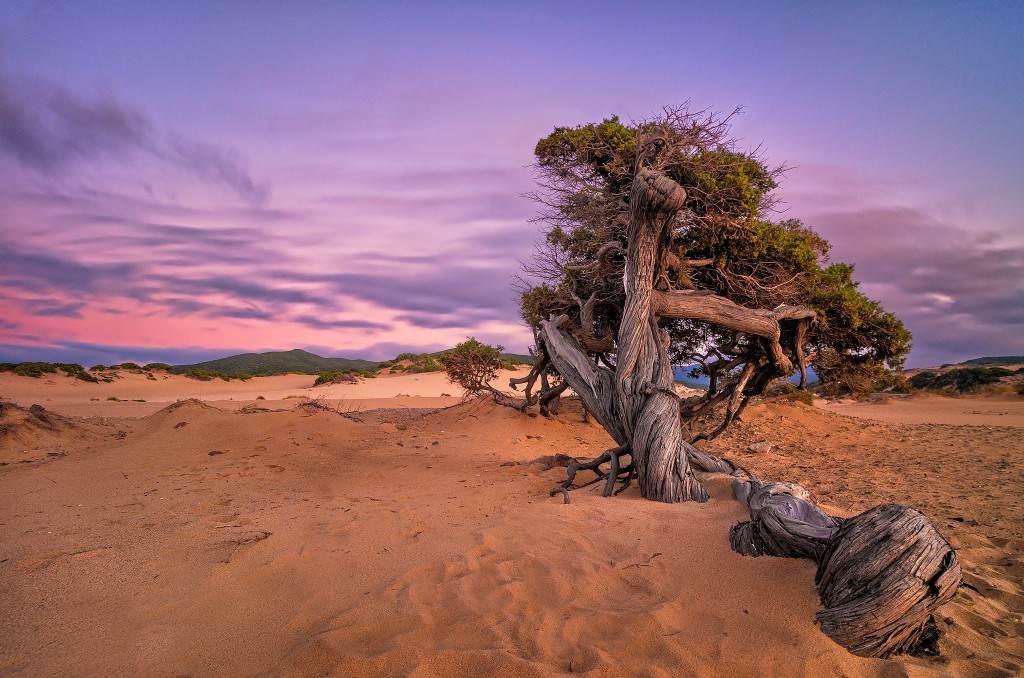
(204, 541)
(135, 394)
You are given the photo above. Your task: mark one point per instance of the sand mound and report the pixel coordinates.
(35, 433)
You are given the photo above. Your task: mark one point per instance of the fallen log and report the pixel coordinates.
(881, 574)
(881, 578)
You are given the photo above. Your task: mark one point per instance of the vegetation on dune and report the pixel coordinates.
(961, 380)
(38, 369)
(343, 376)
(208, 375)
(416, 363)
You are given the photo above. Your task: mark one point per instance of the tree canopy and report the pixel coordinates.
(723, 242)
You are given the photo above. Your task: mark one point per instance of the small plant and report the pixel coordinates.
(156, 366)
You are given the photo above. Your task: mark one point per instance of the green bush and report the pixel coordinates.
(28, 369)
(328, 377)
(38, 369)
(156, 366)
(200, 374)
(472, 364)
(77, 371)
(97, 368)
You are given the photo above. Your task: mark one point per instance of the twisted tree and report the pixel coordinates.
(658, 251)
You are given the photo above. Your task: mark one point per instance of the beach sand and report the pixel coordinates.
(227, 538)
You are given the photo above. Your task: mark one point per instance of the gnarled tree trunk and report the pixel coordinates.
(636, 403)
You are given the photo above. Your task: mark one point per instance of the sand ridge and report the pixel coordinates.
(206, 541)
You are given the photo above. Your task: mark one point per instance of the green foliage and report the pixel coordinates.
(421, 362)
(156, 366)
(472, 364)
(346, 375)
(962, 380)
(209, 375)
(29, 369)
(126, 366)
(77, 371)
(97, 368)
(38, 369)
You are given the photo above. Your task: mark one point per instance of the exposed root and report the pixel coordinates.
(616, 472)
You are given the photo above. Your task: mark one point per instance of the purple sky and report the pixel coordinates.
(181, 181)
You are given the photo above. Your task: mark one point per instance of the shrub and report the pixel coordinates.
(97, 368)
(156, 366)
(200, 374)
(28, 369)
(326, 378)
(350, 376)
(77, 371)
(472, 365)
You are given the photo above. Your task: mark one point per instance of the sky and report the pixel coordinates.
(184, 181)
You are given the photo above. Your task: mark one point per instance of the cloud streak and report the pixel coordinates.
(48, 129)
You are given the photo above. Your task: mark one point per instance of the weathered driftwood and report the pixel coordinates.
(882, 576)
(784, 521)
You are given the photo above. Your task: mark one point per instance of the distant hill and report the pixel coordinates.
(299, 362)
(521, 358)
(1007, 361)
(1000, 360)
(277, 362)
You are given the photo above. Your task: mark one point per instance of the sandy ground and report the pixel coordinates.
(205, 539)
(135, 394)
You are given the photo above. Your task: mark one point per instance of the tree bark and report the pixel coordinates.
(881, 574)
(644, 381)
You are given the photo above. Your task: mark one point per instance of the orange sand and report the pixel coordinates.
(398, 544)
